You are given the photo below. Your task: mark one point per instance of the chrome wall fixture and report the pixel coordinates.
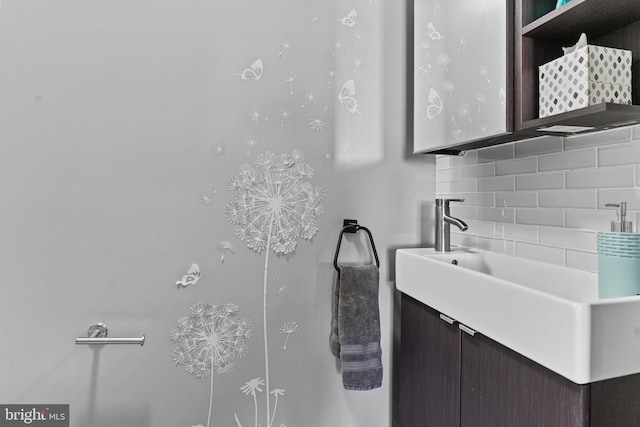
(97, 335)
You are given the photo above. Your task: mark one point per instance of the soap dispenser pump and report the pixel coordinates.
(619, 257)
(620, 225)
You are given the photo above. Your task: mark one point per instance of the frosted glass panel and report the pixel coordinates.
(460, 71)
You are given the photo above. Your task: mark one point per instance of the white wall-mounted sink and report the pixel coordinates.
(550, 314)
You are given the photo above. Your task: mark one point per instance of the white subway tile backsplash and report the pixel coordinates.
(568, 238)
(598, 138)
(478, 199)
(524, 233)
(540, 216)
(493, 245)
(589, 219)
(499, 183)
(497, 152)
(603, 177)
(496, 214)
(540, 181)
(480, 170)
(450, 174)
(481, 228)
(464, 239)
(457, 186)
(517, 166)
(623, 154)
(517, 199)
(446, 162)
(567, 199)
(540, 145)
(548, 254)
(582, 260)
(464, 212)
(567, 160)
(542, 198)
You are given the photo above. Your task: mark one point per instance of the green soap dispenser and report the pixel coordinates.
(619, 257)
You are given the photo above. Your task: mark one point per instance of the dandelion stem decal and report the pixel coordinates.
(274, 206)
(209, 339)
(276, 393)
(250, 388)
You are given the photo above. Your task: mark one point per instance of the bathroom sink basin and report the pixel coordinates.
(547, 313)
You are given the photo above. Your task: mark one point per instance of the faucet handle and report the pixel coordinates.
(445, 202)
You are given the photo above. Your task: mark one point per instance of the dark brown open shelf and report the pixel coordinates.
(598, 117)
(611, 23)
(593, 17)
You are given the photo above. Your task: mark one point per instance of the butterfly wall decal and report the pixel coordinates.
(254, 72)
(350, 20)
(347, 96)
(191, 278)
(435, 105)
(433, 33)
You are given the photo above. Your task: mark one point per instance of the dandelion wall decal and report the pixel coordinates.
(465, 111)
(331, 75)
(220, 150)
(337, 45)
(357, 64)
(327, 156)
(310, 97)
(251, 142)
(318, 124)
(284, 47)
(252, 387)
(224, 247)
(357, 36)
(255, 116)
(275, 205)
(284, 115)
(484, 73)
(449, 87)
(290, 77)
(209, 339)
(288, 328)
(276, 393)
(481, 98)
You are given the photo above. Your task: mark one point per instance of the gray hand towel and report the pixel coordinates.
(355, 328)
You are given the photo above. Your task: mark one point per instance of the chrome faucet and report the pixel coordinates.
(443, 224)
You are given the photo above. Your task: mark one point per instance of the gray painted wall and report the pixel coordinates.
(120, 125)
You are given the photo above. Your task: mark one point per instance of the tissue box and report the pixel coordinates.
(587, 76)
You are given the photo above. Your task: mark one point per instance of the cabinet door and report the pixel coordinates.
(429, 368)
(462, 77)
(501, 388)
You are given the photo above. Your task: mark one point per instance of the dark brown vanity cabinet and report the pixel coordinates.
(450, 378)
